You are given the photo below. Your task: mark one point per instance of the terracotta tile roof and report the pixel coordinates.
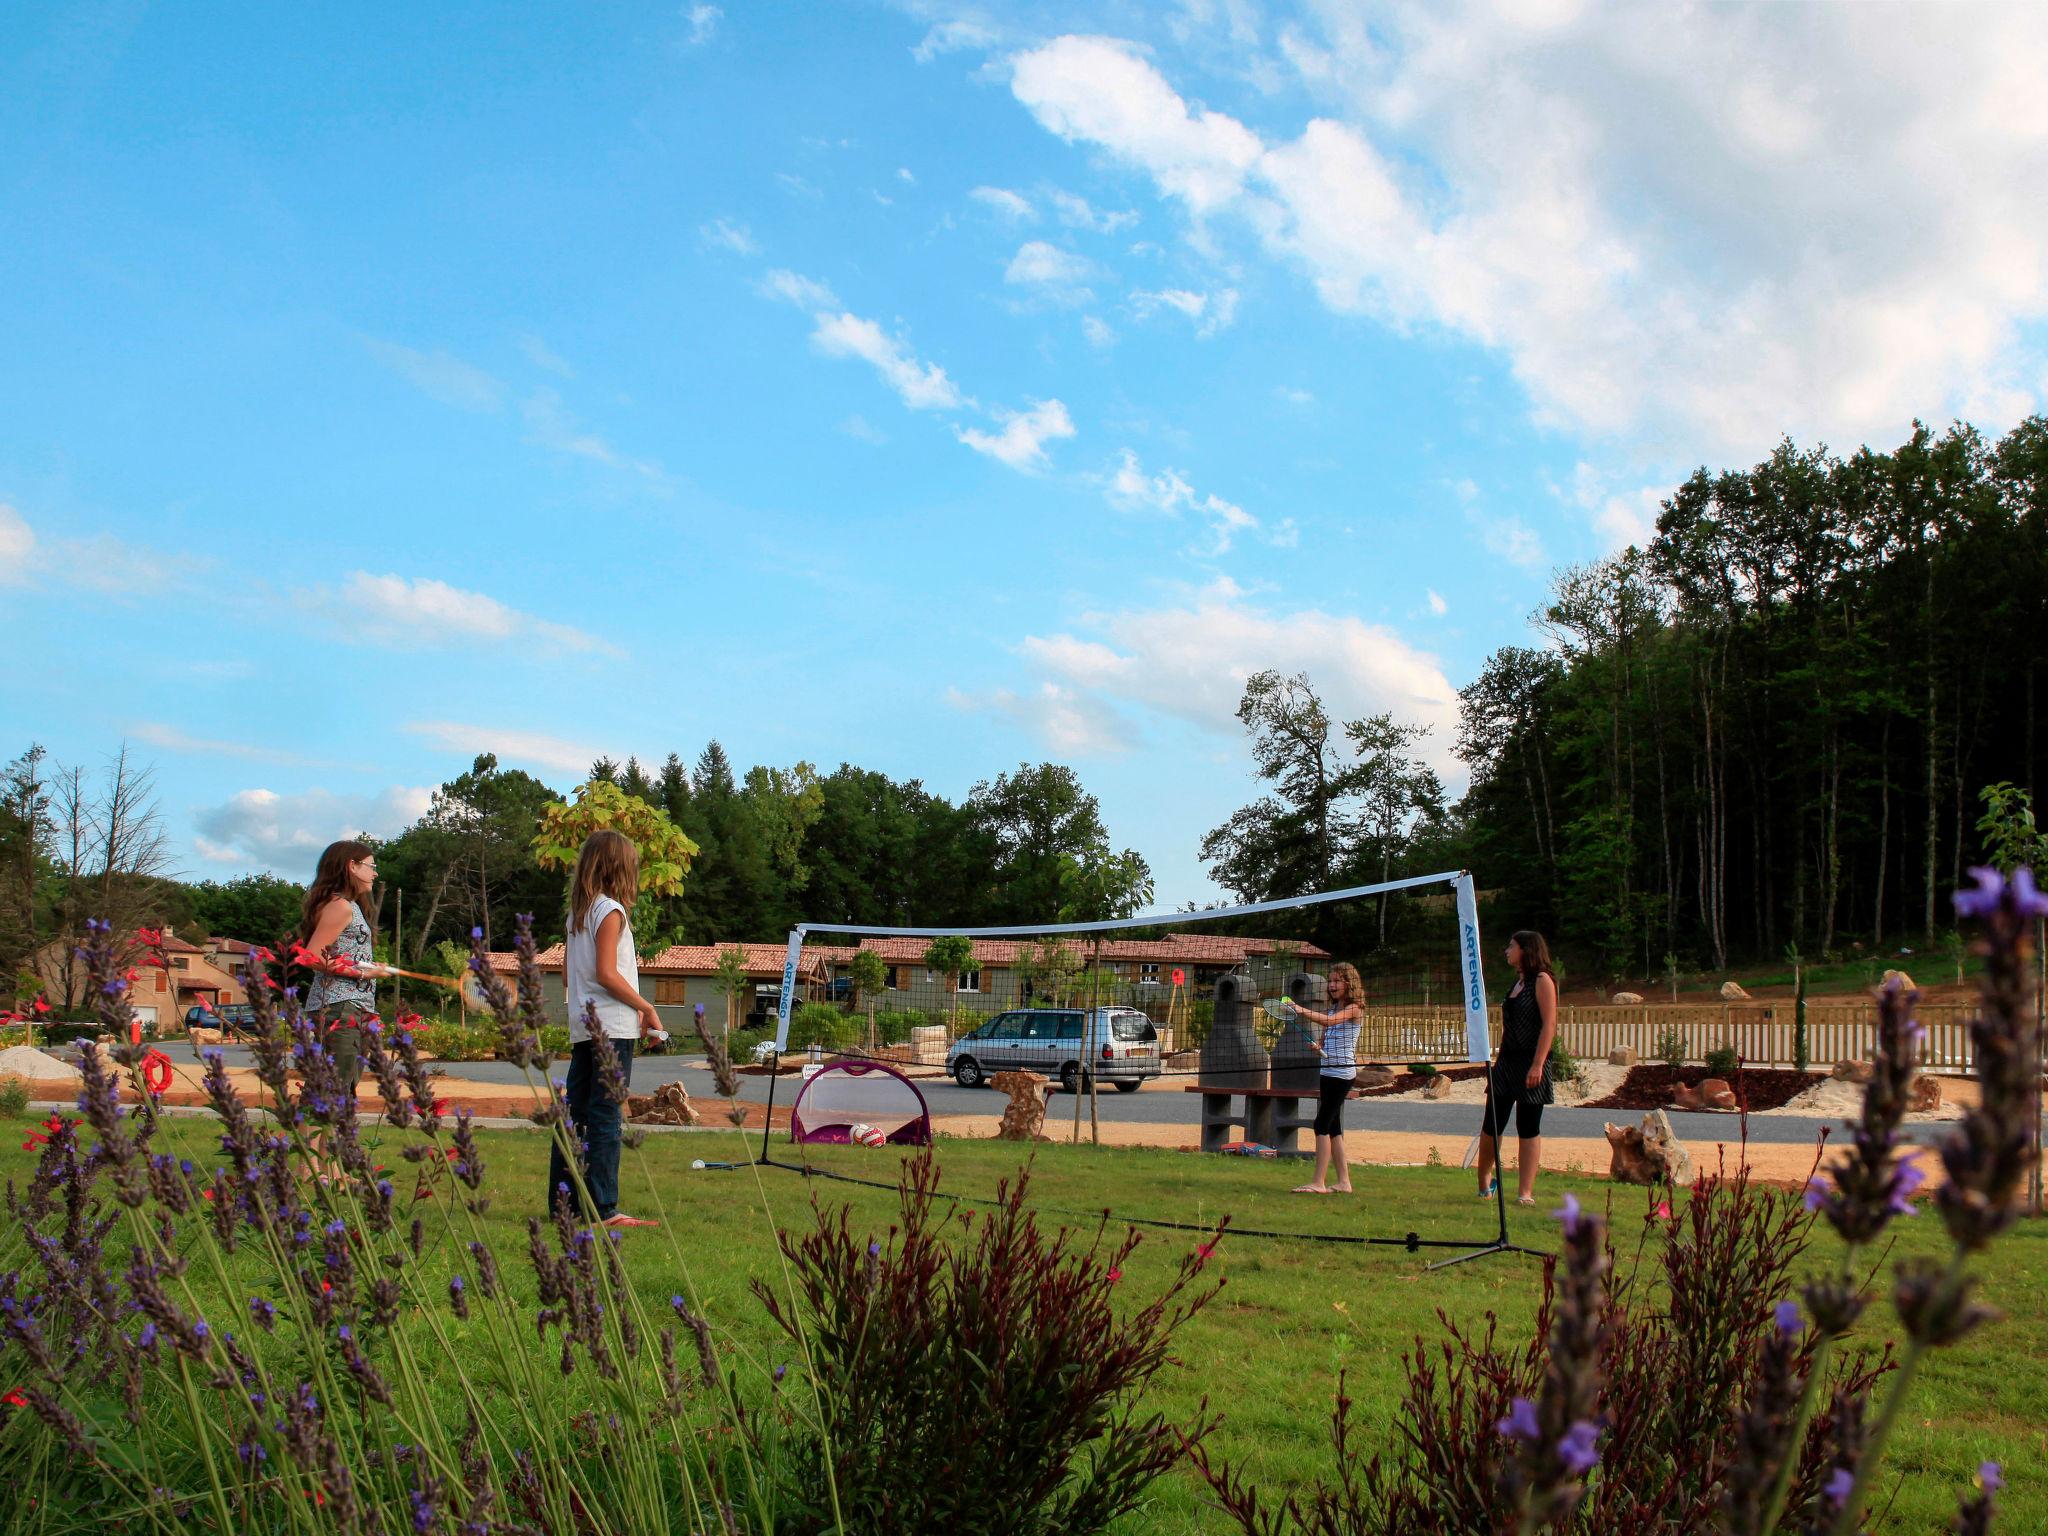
(173, 945)
(1179, 948)
(678, 960)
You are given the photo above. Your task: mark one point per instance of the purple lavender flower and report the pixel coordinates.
(1908, 1177)
(1837, 1487)
(1788, 1319)
(1984, 899)
(1816, 1194)
(1569, 1213)
(1579, 1447)
(1520, 1424)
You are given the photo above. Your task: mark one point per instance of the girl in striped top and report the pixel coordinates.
(1339, 1050)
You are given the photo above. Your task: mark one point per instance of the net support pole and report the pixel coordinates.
(1088, 1046)
(789, 964)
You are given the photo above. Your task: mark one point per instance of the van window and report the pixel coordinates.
(1040, 1026)
(1070, 1026)
(1132, 1026)
(1002, 1027)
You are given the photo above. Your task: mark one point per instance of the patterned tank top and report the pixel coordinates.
(329, 991)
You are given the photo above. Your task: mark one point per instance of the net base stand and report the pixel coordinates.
(1500, 1243)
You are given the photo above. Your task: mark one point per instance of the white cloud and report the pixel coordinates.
(1130, 489)
(1058, 274)
(860, 428)
(171, 738)
(1076, 212)
(1212, 312)
(415, 613)
(703, 20)
(1620, 518)
(17, 546)
(1294, 396)
(98, 563)
(440, 376)
(1097, 91)
(796, 186)
(903, 175)
(1817, 231)
(1097, 331)
(541, 355)
(287, 832)
(1437, 605)
(954, 37)
(1067, 721)
(512, 746)
(1190, 657)
(921, 386)
(1013, 206)
(729, 235)
(795, 288)
(1514, 541)
(1021, 442)
(550, 426)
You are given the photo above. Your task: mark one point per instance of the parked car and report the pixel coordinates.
(203, 1017)
(1118, 1046)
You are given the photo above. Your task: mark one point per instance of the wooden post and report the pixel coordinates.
(398, 954)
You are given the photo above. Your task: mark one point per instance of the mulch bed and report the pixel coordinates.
(1650, 1086)
(1413, 1082)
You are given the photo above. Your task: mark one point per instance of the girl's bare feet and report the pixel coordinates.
(1311, 1189)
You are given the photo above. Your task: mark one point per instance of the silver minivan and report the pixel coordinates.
(1067, 1045)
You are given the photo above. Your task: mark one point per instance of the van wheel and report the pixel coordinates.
(1130, 1087)
(1070, 1078)
(967, 1072)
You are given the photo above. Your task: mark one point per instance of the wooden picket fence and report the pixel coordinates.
(1761, 1033)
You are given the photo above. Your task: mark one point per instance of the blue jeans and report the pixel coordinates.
(596, 1122)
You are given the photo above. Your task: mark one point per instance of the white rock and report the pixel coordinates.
(26, 1061)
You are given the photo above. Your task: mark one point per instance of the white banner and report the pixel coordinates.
(1473, 966)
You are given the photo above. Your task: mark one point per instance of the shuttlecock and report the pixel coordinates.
(698, 1164)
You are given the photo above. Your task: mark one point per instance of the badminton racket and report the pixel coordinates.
(1279, 1009)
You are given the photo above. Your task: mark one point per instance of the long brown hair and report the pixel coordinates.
(607, 865)
(1535, 953)
(331, 880)
(1354, 989)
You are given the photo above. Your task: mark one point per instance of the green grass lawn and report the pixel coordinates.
(1266, 1354)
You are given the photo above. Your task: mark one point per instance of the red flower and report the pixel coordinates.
(14, 1399)
(42, 1005)
(262, 953)
(1203, 1253)
(206, 1194)
(153, 937)
(441, 1108)
(1115, 1275)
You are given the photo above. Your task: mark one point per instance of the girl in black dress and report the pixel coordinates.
(1520, 1075)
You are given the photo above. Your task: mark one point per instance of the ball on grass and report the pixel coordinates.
(866, 1135)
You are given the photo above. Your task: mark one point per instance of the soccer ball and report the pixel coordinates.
(866, 1135)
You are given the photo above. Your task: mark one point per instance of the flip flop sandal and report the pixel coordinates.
(629, 1221)
(1308, 1189)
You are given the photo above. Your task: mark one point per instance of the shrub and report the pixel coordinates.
(458, 1042)
(1428, 1068)
(824, 1026)
(1671, 1044)
(554, 1039)
(13, 1097)
(971, 1360)
(893, 1028)
(1722, 1061)
(1563, 1066)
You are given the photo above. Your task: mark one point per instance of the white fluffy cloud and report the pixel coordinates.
(730, 235)
(97, 563)
(171, 738)
(920, 385)
(1823, 227)
(1077, 212)
(703, 20)
(1189, 658)
(1130, 489)
(1211, 312)
(1013, 206)
(286, 832)
(419, 612)
(1051, 272)
(1069, 722)
(1020, 442)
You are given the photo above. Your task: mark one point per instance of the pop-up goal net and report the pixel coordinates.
(1211, 995)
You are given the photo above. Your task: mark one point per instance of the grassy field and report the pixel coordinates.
(1293, 1314)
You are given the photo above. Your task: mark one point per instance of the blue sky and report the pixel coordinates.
(931, 387)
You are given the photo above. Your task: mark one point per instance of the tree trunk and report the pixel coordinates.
(1884, 828)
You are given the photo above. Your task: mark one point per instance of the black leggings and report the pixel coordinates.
(1330, 1105)
(1510, 1087)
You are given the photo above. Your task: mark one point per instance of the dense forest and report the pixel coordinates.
(1769, 728)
